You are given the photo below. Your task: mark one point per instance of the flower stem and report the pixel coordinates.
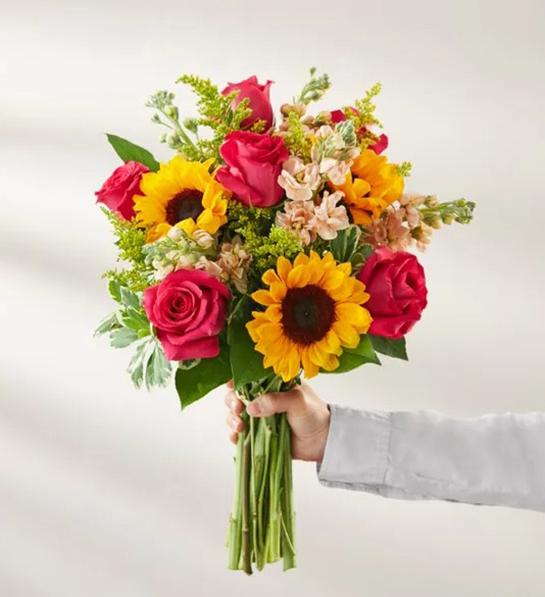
(246, 511)
(261, 525)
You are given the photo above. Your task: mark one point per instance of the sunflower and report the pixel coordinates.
(371, 186)
(182, 194)
(313, 310)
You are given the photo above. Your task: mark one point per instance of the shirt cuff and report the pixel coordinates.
(357, 447)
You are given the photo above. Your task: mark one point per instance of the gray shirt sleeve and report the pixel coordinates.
(492, 459)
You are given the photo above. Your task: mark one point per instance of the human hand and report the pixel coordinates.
(307, 414)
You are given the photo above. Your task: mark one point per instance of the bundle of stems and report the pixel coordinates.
(261, 527)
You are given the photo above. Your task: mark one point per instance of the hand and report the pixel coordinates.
(307, 414)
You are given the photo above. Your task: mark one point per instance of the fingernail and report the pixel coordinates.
(253, 409)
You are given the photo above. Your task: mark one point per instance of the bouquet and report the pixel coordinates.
(262, 250)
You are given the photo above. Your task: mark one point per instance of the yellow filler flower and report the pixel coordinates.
(182, 194)
(313, 310)
(372, 185)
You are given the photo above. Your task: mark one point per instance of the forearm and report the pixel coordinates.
(494, 459)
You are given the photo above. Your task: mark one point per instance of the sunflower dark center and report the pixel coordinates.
(187, 204)
(307, 314)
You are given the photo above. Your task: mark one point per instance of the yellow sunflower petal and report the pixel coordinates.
(263, 297)
(283, 267)
(298, 276)
(347, 334)
(359, 317)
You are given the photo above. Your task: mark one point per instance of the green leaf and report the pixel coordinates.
(194, 383)
(137, 320)
(122, 337)
(107, 325)
(355, 357)
(158, 368)
(392, 348)
(114, 288)
(128, 151)
(129, 298)
(246, 362)
(345, 243)
(149, 365)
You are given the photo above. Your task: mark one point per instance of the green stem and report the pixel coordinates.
(261, 528)
(235, 523)
(246, 513)
(288, 539)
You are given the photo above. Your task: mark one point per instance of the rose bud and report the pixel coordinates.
(258, 96)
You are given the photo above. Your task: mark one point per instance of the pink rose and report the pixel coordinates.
(118, 191)
(258, 95)
(188, 310)
(378, 146)
(253, 163)
(397, 287)
(340, 116)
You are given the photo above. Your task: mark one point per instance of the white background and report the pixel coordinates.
(108, 491)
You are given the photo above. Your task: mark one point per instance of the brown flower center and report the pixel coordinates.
(307, 314)
(187, 204)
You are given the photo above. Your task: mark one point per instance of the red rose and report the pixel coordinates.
(340, 116)
(118, 191)
(258, 95)
(378, 146)
(397, 287)
(253, 163)
(188, 309)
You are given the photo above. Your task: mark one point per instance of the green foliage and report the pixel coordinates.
(404, 169)
(390, 347)
(264, 241)
(149, 366)
(216, 113)
(130, 240)
(168, 251)
(365, 108)
(355, 357)
(296, 139)
(134, 279)
(247, 221)
(460, 211)
(129, 325)
(167, 114)
(265, 251)
(195, 382)
(314, 89)
(347, 247)
(246, 362)
(129, 151)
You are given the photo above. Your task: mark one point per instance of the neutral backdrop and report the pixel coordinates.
(108, 491)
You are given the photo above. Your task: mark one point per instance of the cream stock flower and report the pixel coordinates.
(299, 180)
(329, 217)
(234, 262)
(296, 217)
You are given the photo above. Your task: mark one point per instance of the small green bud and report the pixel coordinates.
(171, 112)
(436, 222)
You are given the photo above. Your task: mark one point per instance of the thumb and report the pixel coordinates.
(276, 402)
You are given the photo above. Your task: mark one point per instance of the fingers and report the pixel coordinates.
(233, 420)
(277, 402)
(234, 423)
(233, 403)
